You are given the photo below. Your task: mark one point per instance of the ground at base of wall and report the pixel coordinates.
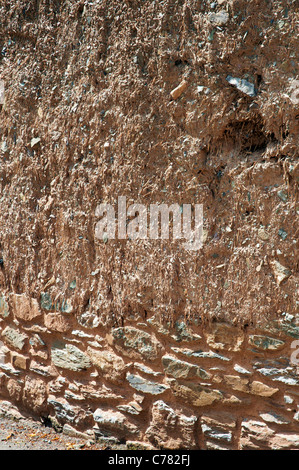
(27, 434)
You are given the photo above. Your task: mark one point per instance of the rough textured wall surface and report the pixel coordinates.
(143, 340)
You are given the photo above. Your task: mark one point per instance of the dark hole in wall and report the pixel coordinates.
(248, 135)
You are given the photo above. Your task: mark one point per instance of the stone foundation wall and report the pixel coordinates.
(186, 385)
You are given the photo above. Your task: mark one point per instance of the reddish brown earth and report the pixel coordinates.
(90, 114)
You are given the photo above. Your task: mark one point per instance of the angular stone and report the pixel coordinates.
(220, 419)
(257, 435)
(200, 354)
(285, 441)
(241, 370)
(4, 308)
(14, 388)
(55, 321)
(290, 328)
(225, 337)
(183, 333)
(171, 428)
(46, 301)
(99, 393)
(280, 272)
(14, 337)
(10, 370)
(40, 369)
(70, 357)
(8, 410)
(136, 343)
(35, 394)
(266, 342)
(66, 412)
(145, 386)
(278, 370)
(181, 369)
(72, 432)
(146, 370)
(34, 142)
(243, 85)
(194, 393)
(24, 307)
(216, 433)
(243, 384)
(89, 320)
(271, 417)
(132, 408)
(19, 361)
(110, 365)
(211, 445)
(69, 395)
(109, 419)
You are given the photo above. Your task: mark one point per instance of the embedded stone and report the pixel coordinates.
(46, 301)
(242, 384)
(176, 92)
(146, 370)
(200, 354)
(183, 333)
(14, 389)
(219, 419)
(66, 412)
(182, 370)
(271, 417)
(114, 420)
(8, 410)
(70, 357)
(110, 365)
(99, 393)
(69, 430)
(14, 337)
(257, 435)
(216, 433)
(136, 343)
(266, 342)
(24, 307)
(280, 272)
(35, 394)
(132, 408)
(220, 18)
(194, 393)
(40, 369)
(4, 308)
(55, 321)
(241, 370)
(145, 386)
(171, 428)
(225, 337)
(19, 361)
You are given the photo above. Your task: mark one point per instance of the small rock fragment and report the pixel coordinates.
(242, 85)
(220, 18)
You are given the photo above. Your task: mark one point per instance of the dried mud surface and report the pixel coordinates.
(79, 75)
